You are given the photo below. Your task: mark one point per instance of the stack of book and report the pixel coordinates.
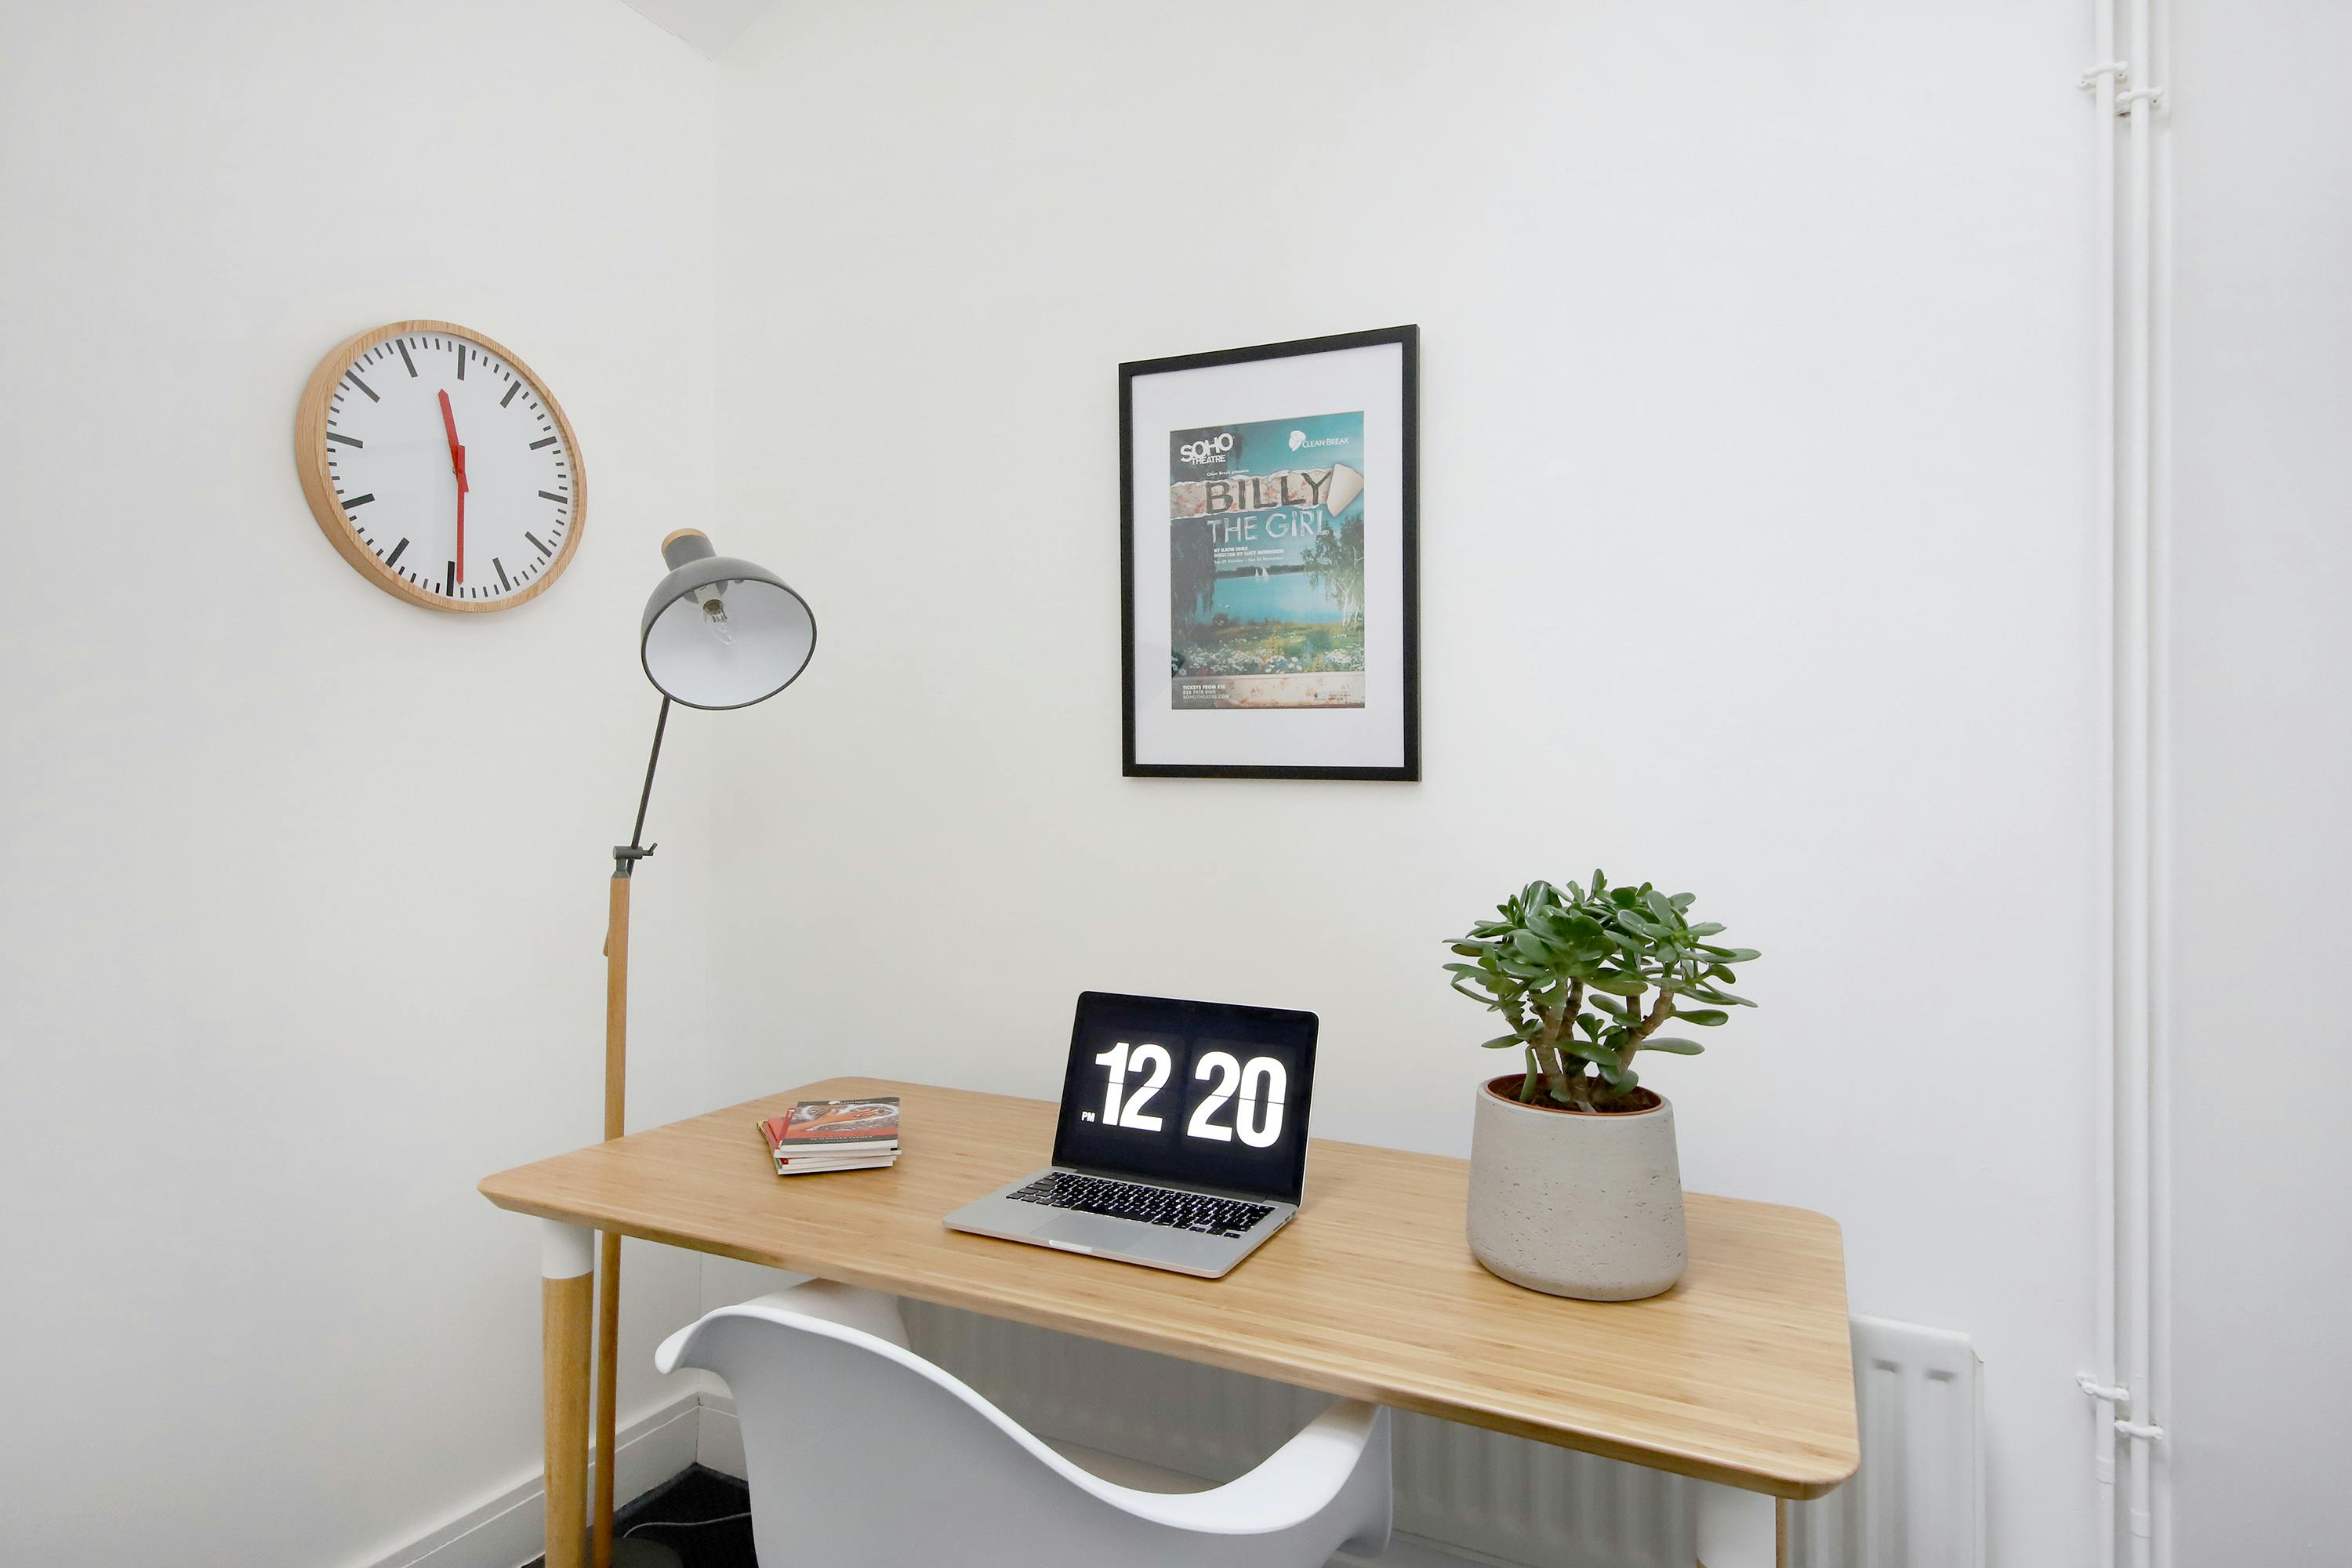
(834, 1135)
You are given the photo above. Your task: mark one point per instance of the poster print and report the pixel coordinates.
(1268, 511)
(1266, 557)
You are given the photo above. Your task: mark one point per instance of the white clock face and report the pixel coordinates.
(451, 467)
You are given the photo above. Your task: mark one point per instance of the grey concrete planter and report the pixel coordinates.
(1576, 1204)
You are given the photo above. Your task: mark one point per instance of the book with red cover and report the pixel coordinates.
(834, 1134)
(841, 1124)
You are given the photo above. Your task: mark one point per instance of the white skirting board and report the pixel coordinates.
(510, 1529)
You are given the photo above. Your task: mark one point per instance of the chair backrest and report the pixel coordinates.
(861, 1454)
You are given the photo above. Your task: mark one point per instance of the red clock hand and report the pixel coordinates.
(457, 466)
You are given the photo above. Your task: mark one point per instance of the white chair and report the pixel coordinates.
(861, 1454)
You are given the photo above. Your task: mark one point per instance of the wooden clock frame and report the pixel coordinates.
(319, 485)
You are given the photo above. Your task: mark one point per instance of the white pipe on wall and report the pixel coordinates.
(2159, 57)
(2101, 82)
(2134, 819)
(2103, 1366)
(2132, 1195)
(2132, 1192)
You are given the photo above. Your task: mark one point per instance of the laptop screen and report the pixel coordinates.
(1201, 1094)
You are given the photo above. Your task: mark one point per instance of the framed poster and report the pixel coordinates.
(1268, 514)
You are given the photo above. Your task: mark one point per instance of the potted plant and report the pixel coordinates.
(1574, 1184)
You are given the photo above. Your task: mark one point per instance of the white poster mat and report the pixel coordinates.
(1339, 381)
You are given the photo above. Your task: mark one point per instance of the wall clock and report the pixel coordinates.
(440, 466)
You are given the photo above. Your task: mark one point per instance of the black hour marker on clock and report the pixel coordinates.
(545, 441)
(449, 580)
(411, 364)
(354, 378)
(346, 440)
(509, 397)
(504, 585)
(393, 559)
(461, 361)
(550, 495)
(359, 501)
(543, 549)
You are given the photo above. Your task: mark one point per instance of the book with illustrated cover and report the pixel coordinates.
(834, 1135)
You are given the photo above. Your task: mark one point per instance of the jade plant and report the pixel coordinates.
(1586, 978)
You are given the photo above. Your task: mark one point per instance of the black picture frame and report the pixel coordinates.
(1407, 339)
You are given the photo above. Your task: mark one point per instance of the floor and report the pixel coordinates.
(690, 1514)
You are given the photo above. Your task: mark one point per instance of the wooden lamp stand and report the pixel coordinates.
(602, 1550)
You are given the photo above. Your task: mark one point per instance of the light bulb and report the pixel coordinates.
(714, 620)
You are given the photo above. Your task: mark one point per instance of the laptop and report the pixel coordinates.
(1182, 1137)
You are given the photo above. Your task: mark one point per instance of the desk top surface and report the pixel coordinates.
(1743, 1373)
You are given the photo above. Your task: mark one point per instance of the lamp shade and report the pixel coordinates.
(720, 632)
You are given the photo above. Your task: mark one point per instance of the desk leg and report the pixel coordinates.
(566, 1267)
(608, 1397)
(1742, 1529)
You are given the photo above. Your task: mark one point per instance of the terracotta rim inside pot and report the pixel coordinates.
(1506, 1088)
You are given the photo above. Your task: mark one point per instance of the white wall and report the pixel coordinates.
(1758, 362)
(304, 887)
(2260, 742)
(1757, 353)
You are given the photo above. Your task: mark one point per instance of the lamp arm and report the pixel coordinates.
(624, 854)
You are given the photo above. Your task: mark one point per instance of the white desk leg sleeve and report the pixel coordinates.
(565, 1251)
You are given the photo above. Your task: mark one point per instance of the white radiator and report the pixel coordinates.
(1918, 1499)
(1457, 1486)
(1915, 1503)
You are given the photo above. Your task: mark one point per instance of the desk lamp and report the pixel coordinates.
(718, 633)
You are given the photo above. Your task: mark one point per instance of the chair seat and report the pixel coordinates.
(1120, 1470)
(861, 1454)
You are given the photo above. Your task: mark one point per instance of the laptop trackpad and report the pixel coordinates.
(1090, 1231)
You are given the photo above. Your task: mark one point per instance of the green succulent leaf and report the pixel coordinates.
(1610, 945)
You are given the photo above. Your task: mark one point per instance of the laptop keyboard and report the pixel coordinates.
(1152, 1205)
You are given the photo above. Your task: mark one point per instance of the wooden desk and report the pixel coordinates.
(1742, 1375)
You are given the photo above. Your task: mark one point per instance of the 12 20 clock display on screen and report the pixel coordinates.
(1203, 1109)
